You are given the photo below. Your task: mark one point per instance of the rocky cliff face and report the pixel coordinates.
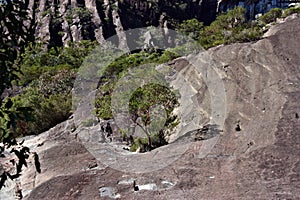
(58, 21)
(261, 160)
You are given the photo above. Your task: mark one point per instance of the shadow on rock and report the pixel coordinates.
(206, 132)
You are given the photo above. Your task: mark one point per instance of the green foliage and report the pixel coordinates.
(13, 38)
(167, 56)
(151, 94)
(142, 100)
(271, 16)
(46, 12)
(75, 53)
(225, 29)
(56, 82)
(137, 143)
(115, 70)
(11, 114)
(192, 28)
(142, 143)
(82, 13)
(103, 107)
(290, 11)
(50, 100)
(37, 60)
(48, 76)
(231, 27)
(128, 61)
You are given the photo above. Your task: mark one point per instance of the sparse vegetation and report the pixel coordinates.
(271, 16)
(82, 13)
(36, 60)
(227, 28)
(232, 27)
(290, 11)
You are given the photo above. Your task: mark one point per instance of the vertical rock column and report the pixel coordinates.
(92, 7)
(65, 25)
(43, 18)
(75, 26)
(119, 29)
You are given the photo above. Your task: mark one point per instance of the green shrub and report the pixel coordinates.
(83, 14)
(46, 12)
(271, 16)
(103, 107)
(11, 116)
(143, 99)
(224, 29)
(167, 56)
(149, 95)
(50, 99)
(290, 11)
(37, 60)
(47, 111)
(138, 143)
(115, 70)
(157, 140)
(134, 146)
(192, 28)
(232, 27)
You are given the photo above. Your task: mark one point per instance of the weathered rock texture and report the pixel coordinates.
(261, 161)
(58, 21)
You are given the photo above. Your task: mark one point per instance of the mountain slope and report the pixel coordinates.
(261, 161)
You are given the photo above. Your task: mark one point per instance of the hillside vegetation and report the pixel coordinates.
(47, 75)
(232, 27)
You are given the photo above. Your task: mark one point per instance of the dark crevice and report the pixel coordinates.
(81, 3)
(55, 27)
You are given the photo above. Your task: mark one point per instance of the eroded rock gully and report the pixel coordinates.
(261, 161)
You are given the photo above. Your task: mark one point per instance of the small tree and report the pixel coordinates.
(143, 100)
(192, 28)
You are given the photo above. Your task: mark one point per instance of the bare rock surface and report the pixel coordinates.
(261, 160)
